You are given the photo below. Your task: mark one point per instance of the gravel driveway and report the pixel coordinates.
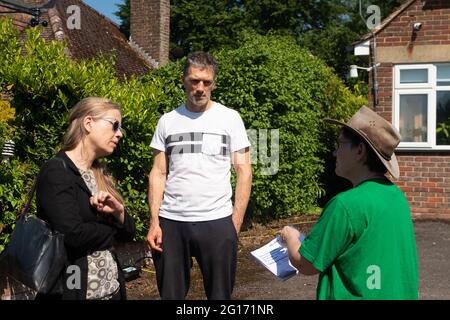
(254, 282)
(433, 246)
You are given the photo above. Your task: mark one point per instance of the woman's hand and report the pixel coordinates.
(104, 202)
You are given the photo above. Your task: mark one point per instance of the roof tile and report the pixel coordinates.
(97, 35)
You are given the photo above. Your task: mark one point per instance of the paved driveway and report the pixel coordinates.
(433, 246)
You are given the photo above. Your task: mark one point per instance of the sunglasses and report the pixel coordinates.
(115, 124)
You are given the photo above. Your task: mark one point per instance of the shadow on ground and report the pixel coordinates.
(254, 282)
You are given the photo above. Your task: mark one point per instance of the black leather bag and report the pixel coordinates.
(36, 254)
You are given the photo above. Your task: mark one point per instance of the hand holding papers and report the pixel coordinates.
(274, 256)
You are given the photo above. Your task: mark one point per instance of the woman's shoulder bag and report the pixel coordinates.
(36, 254)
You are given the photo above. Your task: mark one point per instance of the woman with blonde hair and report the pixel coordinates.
(79, 199)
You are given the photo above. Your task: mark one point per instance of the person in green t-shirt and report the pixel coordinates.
(363, 244)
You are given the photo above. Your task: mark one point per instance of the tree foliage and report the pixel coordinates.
(124, 14)
(270, 80)
(326, 28)
(275, 84)
(45, 85)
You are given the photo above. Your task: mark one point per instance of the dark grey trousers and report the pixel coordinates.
(214, 246)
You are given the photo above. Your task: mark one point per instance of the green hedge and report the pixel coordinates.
(271, 81)
(45, 85)
(275, 84)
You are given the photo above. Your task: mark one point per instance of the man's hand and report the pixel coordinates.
(237, 222)
(154, 238)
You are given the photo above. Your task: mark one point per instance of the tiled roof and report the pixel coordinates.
(97, 35)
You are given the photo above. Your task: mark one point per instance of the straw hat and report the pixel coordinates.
(379, 134)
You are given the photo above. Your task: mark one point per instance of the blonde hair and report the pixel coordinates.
(94, 107)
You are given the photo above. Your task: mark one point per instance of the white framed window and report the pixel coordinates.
(421, 106)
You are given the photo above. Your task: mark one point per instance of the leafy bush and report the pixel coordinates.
(270, 80)
(46, 84)
(14, 181)
(275, 84)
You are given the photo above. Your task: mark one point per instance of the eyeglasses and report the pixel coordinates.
(339, 143)
(115, 124)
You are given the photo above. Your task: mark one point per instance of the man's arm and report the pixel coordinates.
(243, 168)
(157, 184)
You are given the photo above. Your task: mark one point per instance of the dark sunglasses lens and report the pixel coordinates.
(116, 126)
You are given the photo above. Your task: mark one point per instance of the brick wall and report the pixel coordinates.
(150, 23)
(435, 30)
(385, 75)
(425, 177)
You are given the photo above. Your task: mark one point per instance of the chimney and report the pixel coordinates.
(149, 29)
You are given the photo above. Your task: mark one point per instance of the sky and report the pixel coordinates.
(105, 7)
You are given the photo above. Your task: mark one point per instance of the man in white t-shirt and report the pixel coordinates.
(190, 192)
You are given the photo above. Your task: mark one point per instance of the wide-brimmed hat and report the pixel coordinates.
(379, 134)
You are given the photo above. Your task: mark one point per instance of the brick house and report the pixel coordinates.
(412, 90)
(146, 49)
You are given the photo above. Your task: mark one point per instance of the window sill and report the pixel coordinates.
(422, 150)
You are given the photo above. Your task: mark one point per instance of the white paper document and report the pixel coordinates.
(274, 256)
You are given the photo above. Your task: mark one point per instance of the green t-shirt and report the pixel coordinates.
(364, 245)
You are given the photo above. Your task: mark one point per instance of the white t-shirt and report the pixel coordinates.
(199, 147)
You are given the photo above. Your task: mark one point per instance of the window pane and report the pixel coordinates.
(443, 118)
(413, 117)
(443, 75)
(414, 76)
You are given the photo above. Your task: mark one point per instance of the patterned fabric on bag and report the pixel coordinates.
(102, 268)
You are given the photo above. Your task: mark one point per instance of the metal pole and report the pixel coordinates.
(374, 59)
